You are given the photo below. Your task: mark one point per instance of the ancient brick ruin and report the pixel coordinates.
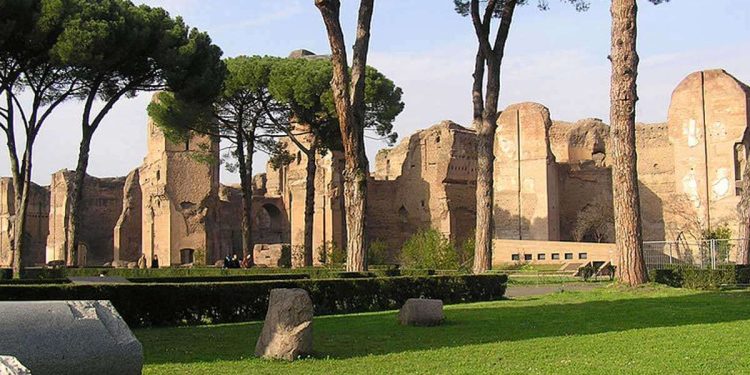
(547, 173)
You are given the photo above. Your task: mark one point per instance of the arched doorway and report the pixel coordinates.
(269, 221)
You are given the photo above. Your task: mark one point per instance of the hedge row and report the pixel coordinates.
(218, 279)
(33, 281)
(211, 272)
(696, 278)
(209, 303)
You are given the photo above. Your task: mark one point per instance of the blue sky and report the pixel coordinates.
(557, 58)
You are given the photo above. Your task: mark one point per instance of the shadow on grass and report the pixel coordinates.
(378, 333)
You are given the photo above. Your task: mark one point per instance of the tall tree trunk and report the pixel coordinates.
(623, 96)
(348, 94)
(743, 211)
(21, 176)
(76, 199)
(245, 171)
(21, 207)
(485, 122)
(311, 170)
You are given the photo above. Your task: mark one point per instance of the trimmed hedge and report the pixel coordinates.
(212, 272)
(33, 281)
(695, 278)
(209, 303)
(219, 279)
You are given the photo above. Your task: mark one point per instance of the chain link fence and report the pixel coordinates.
(706, 254)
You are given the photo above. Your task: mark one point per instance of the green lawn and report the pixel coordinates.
(654, 330)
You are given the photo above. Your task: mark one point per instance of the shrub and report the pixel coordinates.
(331, 254)
(429, 249)
(722, 236)
(377, 253)
(587, 272)
(685, 276)
(201, 303)
(611, 271)
(465, 252)
(216, 279)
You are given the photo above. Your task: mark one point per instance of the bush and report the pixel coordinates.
(587, 272)
(209, 274)
(33, 281)
(331, 254)
(377, 253)
(207, 303)
(216, 279)
(58, 273)
(722, 237)
(429, 249)
(690, 277)
(466, 251)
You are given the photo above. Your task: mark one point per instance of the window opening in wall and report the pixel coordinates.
(568, 256)
(515, 257)
(583, 256)
(437, 139)
(403, 214)
(541, 256)
(555, 256)
(527, 257)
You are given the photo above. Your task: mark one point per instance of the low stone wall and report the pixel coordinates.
(551, 252)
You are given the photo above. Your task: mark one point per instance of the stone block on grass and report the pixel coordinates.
(421, 312)
(287, 330)
(9, 365)
(69, 337)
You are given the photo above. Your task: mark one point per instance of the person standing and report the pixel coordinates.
(155, 261)
(142, 262)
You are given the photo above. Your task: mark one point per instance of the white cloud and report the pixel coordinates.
(277, 12)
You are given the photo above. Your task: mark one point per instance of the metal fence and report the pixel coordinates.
(707, 254)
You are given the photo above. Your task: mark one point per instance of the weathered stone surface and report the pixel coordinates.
(11, 366)
(526, 185)
(37, 223)
(546, 172)
(428, 180)
(287, 330)
(272, 255)
(127, 232)
(69, 337)
(421, 312)
(101, 208)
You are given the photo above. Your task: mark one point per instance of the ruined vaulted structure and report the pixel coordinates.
(549, 174)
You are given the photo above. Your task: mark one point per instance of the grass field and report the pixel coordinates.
(654, 330)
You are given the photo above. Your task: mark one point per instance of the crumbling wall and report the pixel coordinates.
(269, 225)
(427, 181)
(127, 232)
(707, 123)
(582, 140)
(656, 163)
(100, 209)
(582, 185)
(180, 188)
(37, 223)
(290, 182)
(526, 191)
